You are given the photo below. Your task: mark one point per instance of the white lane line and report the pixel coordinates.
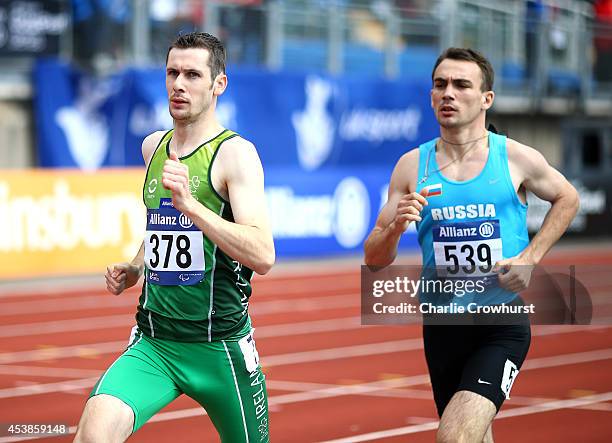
(72, 325)
(530, 401)
(54, 353)
(38, 389)
(83, 296)
(306, 304)
(347, 323)
(568, 359)
(127, 320)
(42, 371)
(342, 352)
(405, 430)
(84, 302)
(556, 404)
(516, 412)
(379, 385)
(404, 392)
(274, 360)
(282, 330)
(331, 354)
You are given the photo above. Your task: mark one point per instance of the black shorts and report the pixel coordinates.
(484, 359)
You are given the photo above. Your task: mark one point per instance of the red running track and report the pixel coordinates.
(329, 378)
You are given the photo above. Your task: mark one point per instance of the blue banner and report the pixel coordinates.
(297, 120)
(327, 212)
(328, 144)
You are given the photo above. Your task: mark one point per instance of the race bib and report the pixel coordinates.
(174, 247)
(467, 249)
(249, 352)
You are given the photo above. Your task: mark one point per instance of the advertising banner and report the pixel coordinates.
(70, 222)
(309, 122)
(66, 222)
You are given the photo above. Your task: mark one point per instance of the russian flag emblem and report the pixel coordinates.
(434, 190)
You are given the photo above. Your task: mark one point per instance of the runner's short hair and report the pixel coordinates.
(203, 40)
(470, 55)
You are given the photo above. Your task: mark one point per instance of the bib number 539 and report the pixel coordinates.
(466, 255)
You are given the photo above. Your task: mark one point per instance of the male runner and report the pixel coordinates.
(207, 231)
(471, 178)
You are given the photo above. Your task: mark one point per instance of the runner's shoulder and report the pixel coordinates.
(238, 151)
(150, 143)
(407, 167)
(239, 143)
(523, 155)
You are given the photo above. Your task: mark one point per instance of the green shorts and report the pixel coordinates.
(224, 377)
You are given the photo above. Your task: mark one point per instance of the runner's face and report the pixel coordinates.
(456, 97)
(189, 84)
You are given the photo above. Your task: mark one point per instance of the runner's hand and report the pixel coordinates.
(121, 276)
(409, 210)
(514, 274)
(175, 177)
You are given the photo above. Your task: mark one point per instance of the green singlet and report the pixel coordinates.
(214, 307)
(193, 333)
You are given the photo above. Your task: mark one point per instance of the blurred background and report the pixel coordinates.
(331, 93)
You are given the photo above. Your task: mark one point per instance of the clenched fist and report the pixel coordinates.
(409, 210)
(121, 276)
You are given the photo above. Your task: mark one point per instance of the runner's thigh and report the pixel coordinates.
(139, 379)
(228, 382)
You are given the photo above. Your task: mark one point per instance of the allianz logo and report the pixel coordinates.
(485, 230)
(169, 220)
(345, 214)
(459, 212)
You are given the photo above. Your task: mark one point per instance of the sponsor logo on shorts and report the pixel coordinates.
(510, 373)
(260, 403)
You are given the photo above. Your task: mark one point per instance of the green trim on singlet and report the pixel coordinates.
(149, 165)
(212, 161)
(195, 151)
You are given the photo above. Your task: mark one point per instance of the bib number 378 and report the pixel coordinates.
(174, 247)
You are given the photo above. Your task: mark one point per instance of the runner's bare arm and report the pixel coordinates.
(403, 207)
(548, 184)
(120, 276)
(247, 240)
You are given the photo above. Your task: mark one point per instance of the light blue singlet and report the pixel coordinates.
(470, 225)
